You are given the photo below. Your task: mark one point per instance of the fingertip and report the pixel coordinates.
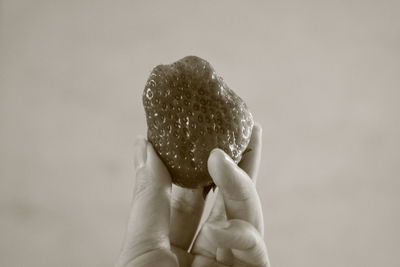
(218, 164)
(218, 154)
(213, 154)
(257, 129)
(140, 152)
(214, 157)
(140, 139)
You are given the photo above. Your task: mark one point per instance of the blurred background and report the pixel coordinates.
(322, 77)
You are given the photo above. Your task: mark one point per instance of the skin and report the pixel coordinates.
(164, 217)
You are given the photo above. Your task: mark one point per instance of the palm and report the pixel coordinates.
(187, 208)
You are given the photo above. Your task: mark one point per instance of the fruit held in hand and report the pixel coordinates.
(190, 111)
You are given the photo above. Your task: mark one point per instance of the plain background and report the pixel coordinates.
(322, 77)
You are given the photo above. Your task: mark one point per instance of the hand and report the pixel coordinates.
(164, 217)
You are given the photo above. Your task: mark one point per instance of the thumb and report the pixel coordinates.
(148, 226)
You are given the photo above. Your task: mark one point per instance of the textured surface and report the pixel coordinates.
(322, 77)
(190, 110)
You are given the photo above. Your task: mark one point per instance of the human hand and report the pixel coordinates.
(164, 217)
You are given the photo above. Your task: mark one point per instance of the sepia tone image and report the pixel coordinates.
(208, 133)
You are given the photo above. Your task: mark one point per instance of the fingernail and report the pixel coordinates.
(218, 225)
(228, 159)
(140, 152)
(219, 153)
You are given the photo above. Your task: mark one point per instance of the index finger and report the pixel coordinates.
(250, 164)
(238, 190)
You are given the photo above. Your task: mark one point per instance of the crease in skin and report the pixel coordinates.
(217, 225)
(146, 186)
(186, 200)
(156, 257)
(232, 236)
(140, 152)
(142, 243)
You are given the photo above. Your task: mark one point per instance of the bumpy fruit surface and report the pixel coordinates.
(190, 111)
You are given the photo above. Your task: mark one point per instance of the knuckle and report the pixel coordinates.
(239, 191)
(148, 184)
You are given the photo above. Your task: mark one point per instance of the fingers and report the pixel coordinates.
(242, 238)
(148, 226)
(251, 160)
(238, 191)
(186, 209)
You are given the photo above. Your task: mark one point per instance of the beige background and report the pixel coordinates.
(322, 77)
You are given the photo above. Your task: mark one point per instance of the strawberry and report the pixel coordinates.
(190, 111)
